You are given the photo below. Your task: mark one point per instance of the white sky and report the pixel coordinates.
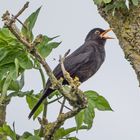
(116, 80)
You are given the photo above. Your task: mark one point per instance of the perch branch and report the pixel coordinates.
(51, 128)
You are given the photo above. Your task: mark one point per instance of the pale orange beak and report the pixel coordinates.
(104, 34)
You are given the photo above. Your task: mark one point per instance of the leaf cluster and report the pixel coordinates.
(15, 60)
(114, 5)
(95, 101)
(14, 57)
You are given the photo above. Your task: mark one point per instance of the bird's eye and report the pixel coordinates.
(97, 32)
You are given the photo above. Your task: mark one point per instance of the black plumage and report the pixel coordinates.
(82, 63)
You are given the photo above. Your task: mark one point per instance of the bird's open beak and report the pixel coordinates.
(104, 34)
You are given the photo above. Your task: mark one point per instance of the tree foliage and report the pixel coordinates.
(15, 59)
(134, 2)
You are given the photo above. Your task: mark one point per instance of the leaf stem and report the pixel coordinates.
(43, 83)
(42, 77)
(5, 88)
(44, 115)
(55, 100)
(65, 106)
(62, 106)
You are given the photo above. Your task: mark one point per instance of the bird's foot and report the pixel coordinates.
(76, 81)
(54, 85)
(61, 80)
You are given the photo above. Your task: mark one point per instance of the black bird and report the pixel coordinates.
(82, 63)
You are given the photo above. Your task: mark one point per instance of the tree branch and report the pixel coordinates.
(78, 102)
(126, 26)
(52, 127)
(2, 117)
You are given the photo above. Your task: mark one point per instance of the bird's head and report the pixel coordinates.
(99, 35)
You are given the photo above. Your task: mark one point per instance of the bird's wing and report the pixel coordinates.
(73, 62)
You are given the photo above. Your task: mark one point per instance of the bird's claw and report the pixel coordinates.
(76, 81)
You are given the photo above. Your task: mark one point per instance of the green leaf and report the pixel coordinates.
(45, 48)
(14, 86)
(32, 138)
(20, 94)
(17, 85)
(1, 84)
(5, 129)
(21, 81)
(107, 1)
(16, 66)
(102, 104)
(36, 64)
(93, 95)
(94, 101)
(120, 5)
(37, 132)
(6, 85)
(97, 101)
(60, 133)
(29, 23)
(116, 5)
(25, 135)
(3, 53)
(98, 1)
(13, 56)
(135, 2)
(79, 118)
(54, 93)
(25, 62)
(89, 115)
(109, 7)
(32, 100)
(5, 69)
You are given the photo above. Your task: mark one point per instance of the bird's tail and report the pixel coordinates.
(46, 94)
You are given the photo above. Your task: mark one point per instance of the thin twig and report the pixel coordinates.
(65, 73)
(45, 105)
(14, 127)
(19, 13)
(66, 54)
(55, 100)
(42, 77)
(62, 106)
(65, 106)
(45, 109)
(60, 120)
(20, 22)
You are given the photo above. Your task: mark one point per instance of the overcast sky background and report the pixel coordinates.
(116, 80)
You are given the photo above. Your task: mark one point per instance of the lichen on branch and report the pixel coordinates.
(126, 25)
